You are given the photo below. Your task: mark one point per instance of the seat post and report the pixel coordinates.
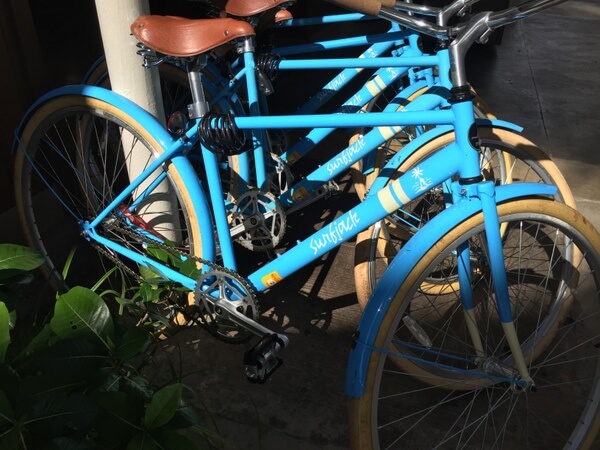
(199, 106)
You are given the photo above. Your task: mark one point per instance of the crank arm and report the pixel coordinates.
(238, 230)
(229, 311)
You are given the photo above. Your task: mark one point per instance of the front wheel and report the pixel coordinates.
(431, 388)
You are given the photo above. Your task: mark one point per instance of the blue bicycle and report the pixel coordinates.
(477, 364)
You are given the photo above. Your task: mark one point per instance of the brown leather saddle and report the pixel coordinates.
(248, 8)
(181, 37)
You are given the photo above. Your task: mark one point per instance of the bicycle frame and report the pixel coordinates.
(222, 91)
(471, 195)
(375, 208)
(404, 44)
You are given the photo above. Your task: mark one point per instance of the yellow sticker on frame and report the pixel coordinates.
(271, 279)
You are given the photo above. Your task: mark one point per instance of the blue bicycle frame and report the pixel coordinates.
(459, 159)
(470, 197)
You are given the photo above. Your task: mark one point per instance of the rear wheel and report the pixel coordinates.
(76, 154)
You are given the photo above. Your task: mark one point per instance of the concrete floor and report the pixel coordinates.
(544, 76)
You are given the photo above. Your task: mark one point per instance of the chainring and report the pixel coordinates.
(219, 286)
(262, 219)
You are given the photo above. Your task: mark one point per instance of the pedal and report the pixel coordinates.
(261, 360)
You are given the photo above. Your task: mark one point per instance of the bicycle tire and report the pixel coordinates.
(75, 144)
(433, 406)
(377, 245)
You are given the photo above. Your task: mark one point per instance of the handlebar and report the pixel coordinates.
(476, 29)
(456, 8)
(402, 13)
(500, 18)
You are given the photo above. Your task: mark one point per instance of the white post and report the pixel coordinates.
(129, 78)
(127, 75)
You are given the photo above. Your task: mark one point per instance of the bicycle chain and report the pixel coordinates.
(145, 241)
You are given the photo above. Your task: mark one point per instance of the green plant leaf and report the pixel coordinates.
(150, 275)
(39, 342)
(186, 416)
(142, 441)
(106, 379)
(37, 387)
(76, 442)
(15, 276)
(72, 360)
(134, 341)
(150, 293)
(162, 407)
(55, 416)
(171, 440)
(14, 256)
(81, 313)
(10, 382)
(6, 411)
(189, 268)
(120, 417)
(4, 331)
(159, 253)
(137, 386)
(11, 440)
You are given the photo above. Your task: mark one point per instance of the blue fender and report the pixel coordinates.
(402, 264)
(144, 118)
(160, 134)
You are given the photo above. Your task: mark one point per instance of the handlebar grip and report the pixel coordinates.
(368, 7)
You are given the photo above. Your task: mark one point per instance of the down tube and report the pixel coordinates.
(389, 199)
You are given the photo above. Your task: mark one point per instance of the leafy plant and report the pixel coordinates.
(73, 384)
(16, 262)
(159, 300)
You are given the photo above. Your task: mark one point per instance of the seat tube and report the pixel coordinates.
(258, 136)
(211, 166)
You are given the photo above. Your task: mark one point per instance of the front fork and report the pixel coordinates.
(486, 193)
